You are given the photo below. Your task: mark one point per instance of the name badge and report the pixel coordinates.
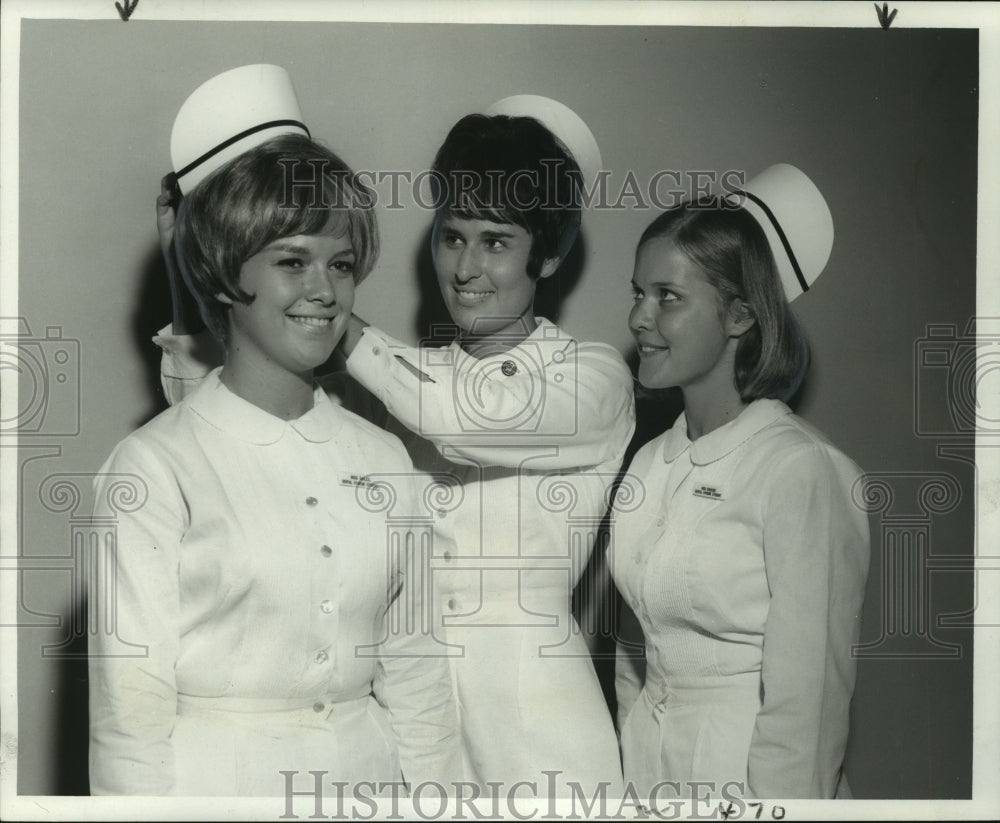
(357, 480)
(708, 492)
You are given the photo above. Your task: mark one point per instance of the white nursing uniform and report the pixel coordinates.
(745, 563)
(252, 589)
(532, 440)
(526, 445)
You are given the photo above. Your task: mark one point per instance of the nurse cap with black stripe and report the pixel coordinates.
(796, 220)
(229, 114)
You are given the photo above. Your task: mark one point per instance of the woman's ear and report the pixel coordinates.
(739, 318)
(549, 266)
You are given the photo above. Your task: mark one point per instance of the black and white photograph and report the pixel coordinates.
(586, 409)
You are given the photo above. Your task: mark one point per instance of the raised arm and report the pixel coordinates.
(133, 694)
(816, 552)
(559, 406)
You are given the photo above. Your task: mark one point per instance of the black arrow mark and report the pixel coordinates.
(885, 17)
(126, 12)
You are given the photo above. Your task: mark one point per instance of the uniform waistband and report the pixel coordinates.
(324, 704)
(703, 689)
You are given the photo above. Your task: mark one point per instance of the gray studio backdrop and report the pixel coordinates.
(884, 122)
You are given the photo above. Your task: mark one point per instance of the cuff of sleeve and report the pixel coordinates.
(371, 362)
(182, 353)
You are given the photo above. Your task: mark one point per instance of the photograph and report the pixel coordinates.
(499, 410)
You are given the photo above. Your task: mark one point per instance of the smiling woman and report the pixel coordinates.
(256, 576)
(482, 269)
(749, 691)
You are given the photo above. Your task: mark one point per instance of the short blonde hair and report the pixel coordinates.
(287, 186)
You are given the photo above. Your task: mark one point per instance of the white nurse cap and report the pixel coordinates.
(796, 220)
(230, 114)
(567, 126)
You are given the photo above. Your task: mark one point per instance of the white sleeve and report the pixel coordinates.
(816, 554)
(133, 693)
(413, 676)
(575, 409)
(185, 360)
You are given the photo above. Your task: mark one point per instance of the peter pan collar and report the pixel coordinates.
(230, 413)
(722, 441)
(548, 340)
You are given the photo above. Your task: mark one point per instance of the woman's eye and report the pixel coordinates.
(636, 295)
(343, 266)
(452, 240)
(493, 244)
(667, 296)
(290, 263)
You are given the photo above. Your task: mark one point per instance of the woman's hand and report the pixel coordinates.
(166, 212)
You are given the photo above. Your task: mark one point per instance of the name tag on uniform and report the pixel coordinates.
(362, 481)
(708, 492)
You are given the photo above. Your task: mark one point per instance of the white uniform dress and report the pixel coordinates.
(252, 585)
(745, 564)
(527, 444)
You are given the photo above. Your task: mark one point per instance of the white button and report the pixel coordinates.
(322, 657)
(311, 501)
(318, 707)
(326, 551)
(660, 521)
(376, 350)
(447, 555)
(452, 604)
(326, 606)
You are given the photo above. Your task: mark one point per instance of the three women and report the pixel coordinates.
(746, 562)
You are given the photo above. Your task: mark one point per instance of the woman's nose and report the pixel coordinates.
(319, 285)
(639, 318)
(468, 264)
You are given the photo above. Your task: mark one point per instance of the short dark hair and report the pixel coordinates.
(287, 186)
(511, 170)
(730, 247)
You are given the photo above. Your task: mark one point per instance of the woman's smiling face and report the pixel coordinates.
(678, 320)
(482, 269)
(303, 288)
